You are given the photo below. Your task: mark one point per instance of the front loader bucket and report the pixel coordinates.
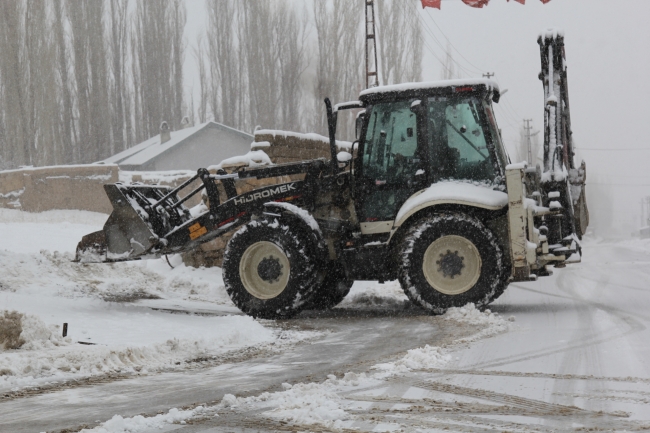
(131, 229)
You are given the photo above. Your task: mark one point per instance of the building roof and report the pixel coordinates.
(152, 148)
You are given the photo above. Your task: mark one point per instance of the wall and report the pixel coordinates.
(61, 187)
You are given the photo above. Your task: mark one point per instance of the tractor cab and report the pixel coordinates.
(415, 135)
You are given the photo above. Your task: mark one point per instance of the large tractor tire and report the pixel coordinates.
(449, 260)
(271, 267)
(334, 288)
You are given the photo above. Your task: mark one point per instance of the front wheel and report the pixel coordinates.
(270, 268)
(449, 260)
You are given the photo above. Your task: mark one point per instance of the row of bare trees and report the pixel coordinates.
(83, 79)
(272, 64)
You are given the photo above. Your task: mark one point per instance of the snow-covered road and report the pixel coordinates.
(572, 356)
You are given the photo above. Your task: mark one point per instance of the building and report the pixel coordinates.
(187, 149)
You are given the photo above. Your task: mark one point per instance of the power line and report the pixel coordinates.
(428, 29)
(450, 43)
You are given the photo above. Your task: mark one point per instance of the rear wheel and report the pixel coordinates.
(449, 260)
(334, 288)
(270, 268)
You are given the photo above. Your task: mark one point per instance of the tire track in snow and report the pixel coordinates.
(537, 375)
(591, 339)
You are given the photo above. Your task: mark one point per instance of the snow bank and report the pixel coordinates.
(31, 365)
(139, 423)
(54, 273)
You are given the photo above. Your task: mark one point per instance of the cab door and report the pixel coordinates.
(390, 163)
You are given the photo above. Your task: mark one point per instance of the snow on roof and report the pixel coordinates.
(149, 149)
(490, 84)
(308, 136)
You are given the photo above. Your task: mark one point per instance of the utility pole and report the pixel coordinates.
(371, 46)
(488, 75)
(528, 144)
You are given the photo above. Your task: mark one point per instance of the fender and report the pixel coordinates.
(460, 193)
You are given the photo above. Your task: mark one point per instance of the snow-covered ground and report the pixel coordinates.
(567, 353)
(98, 302)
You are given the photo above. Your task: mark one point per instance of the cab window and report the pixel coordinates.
(391, 143)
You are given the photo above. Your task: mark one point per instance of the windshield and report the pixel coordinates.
(459, 148)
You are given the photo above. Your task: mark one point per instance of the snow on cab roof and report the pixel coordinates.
(490, 84)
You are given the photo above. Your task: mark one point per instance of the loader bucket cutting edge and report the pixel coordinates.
(128, 233)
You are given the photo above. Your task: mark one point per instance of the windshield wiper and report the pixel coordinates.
(467, 140)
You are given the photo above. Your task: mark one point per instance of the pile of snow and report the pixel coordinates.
(372, 295)
(308, 403)
(139, 423)
(421, 358)
(55, 274)
(26, 331)
(254, 158)
(491, 323)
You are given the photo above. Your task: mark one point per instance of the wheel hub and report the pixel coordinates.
(264, 270)
(270, 269)
(450, 264)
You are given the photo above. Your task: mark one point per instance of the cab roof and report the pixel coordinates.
(426, 88)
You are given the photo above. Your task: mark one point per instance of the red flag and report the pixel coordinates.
(545, 1)
(476, 3)
(431, 4)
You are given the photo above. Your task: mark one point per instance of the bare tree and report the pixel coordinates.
(400, 41)
(158, 55)
(119, 94)
(13, 68)
(42, 107)
(291, 28)
(199, 55)
(68, 132)
(225, 95)
(260, 47)
(338, 73)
